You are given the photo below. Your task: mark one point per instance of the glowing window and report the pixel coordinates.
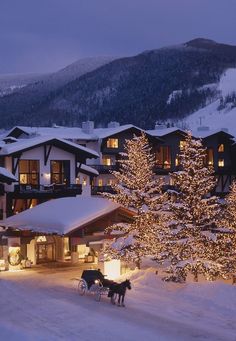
(112, 143)
(163, 157)
(182, 144)
(221, 148)
(29, 172)
(100, 182)
(110, 182)
(221, 162)
(107, 161)
(176, 161)
(60, 171)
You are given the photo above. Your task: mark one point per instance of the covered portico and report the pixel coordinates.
(63, 230)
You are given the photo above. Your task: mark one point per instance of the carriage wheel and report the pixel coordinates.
(82, 287)
(98, 296)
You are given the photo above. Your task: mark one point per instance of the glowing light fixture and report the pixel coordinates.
(112, 268)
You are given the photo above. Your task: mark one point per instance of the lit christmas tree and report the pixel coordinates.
(137, 189)
(194, 242)
(229, 217)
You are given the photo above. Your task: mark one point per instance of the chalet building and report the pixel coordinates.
(44, 168)
(167, 152)
(65, 229)
(39, 164)
(220, 152)
(167, 143)
(107, 142)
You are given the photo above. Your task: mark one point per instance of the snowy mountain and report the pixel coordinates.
(221, 112)
(20, 94)
(156, 85)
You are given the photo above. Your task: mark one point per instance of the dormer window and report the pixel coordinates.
(112, 143)
(221, 148)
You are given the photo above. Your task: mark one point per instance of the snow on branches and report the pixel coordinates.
(194, 243)
(137, 189)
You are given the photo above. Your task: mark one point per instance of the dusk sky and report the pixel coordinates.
(46, 35)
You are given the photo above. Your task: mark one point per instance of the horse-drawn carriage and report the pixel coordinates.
(94, 282)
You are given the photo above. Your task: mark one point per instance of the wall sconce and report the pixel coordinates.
(47, 176)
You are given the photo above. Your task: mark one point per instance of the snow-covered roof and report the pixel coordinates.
(73, 132)
(6, 176)
(203, 133)
(59, 132)
(61, 216)
(25, 144)
(9, 138)
(105, 132)
(89, 170)
(164, 131)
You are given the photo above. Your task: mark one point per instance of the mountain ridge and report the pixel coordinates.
(133, 89)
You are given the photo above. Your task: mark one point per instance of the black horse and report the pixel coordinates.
(120, 290)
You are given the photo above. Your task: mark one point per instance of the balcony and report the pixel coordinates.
(95, 190)
(53, 190)
(105, 169)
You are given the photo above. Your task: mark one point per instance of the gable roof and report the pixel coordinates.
(27, 144)
(61, 216)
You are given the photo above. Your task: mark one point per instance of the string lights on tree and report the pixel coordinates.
(137, 189)
(194, 242)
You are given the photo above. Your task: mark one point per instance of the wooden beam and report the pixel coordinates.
(47, 152)
(77, 168)
(15, 163)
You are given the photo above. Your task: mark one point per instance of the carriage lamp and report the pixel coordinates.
(96, 281)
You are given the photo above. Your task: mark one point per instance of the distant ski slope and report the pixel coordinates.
(211, 115)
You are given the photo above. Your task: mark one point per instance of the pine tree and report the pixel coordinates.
(229, 217)
(194, 242)
(137, 189)
(227, 240)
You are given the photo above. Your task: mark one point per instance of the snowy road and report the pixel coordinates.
(42, 305)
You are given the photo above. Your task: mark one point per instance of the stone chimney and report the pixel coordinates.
(203, 128)
(87, 127)
(159, 126)
(113, 124)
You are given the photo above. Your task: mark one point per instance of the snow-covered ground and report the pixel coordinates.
(210, 115)
(43, 305)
